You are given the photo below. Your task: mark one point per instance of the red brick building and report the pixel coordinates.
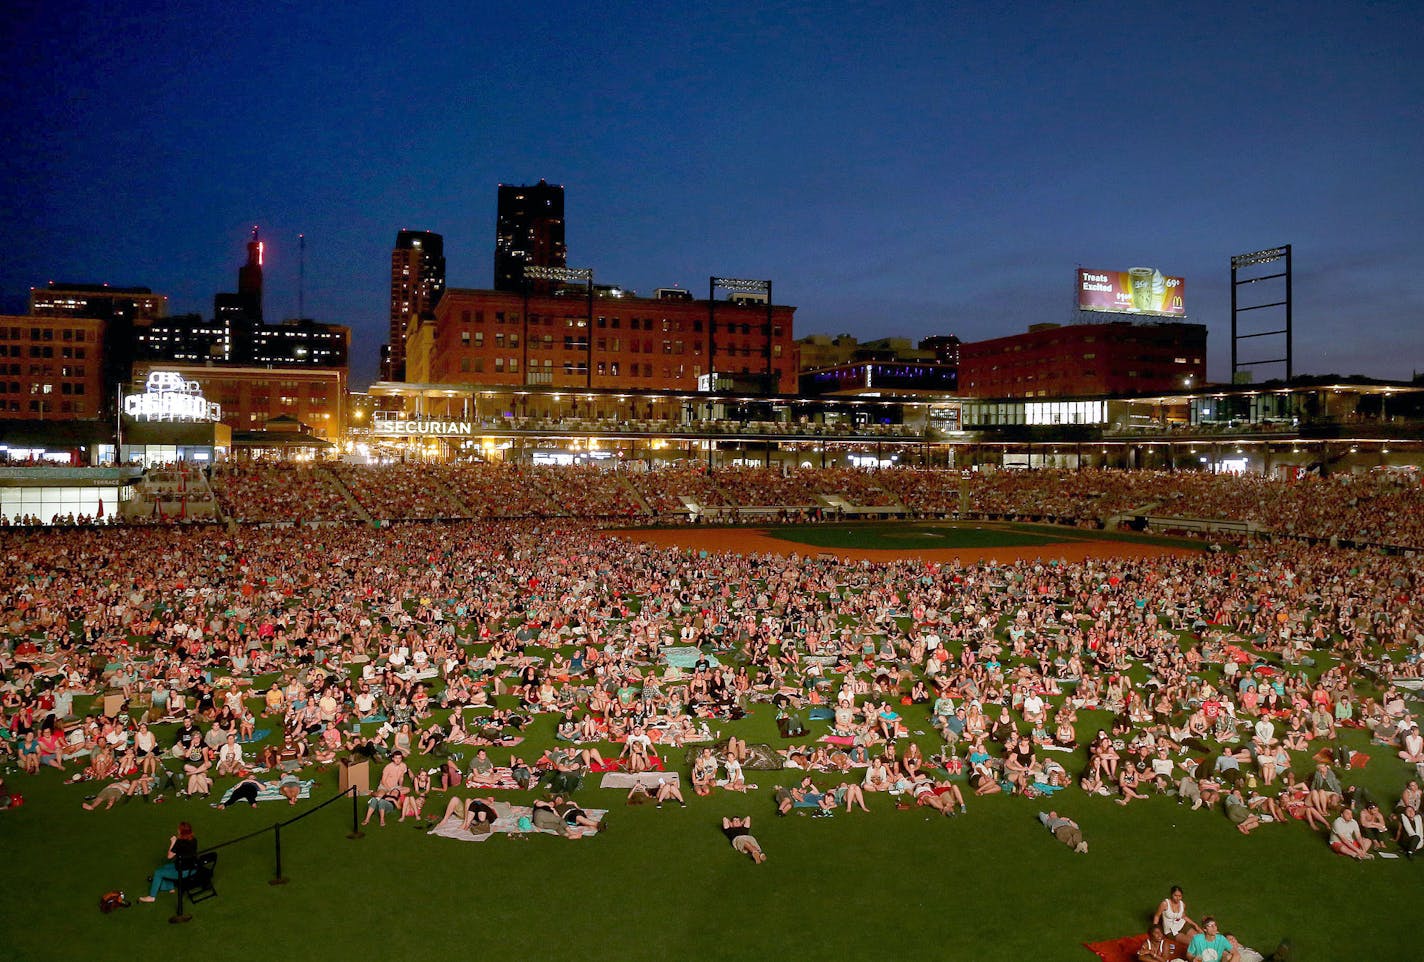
(51, 368)
(609, 341)
(252, 396)
(1080, 360)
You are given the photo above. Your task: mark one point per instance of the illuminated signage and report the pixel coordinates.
(1138, 290)
(401, 428)
(167, 396)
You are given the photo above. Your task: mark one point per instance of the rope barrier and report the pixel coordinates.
(276, 829)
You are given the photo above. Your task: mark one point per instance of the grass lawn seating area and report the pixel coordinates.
(1044, 682)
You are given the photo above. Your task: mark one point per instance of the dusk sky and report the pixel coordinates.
(897, 169)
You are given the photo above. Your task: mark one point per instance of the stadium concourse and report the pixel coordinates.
(505, 660)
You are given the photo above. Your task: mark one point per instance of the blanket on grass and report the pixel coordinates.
(507, 823)
(1124, 949)
(649, 780)
(502, 777)
(688, 657)
(270, 793)
(655, 764)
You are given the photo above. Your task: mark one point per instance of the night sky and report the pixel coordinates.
(899, 169)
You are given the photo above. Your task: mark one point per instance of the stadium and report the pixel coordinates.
(782, 643)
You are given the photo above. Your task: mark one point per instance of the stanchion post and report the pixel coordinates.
(355, 816)
(279, 878)
(178, 917)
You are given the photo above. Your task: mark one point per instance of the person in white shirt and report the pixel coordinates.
(229, 756)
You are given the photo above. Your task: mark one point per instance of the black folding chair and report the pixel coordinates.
(196, 877)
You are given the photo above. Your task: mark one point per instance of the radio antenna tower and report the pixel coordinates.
(301, 275)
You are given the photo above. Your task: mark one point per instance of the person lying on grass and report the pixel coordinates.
(476, 811)
(941, 796)
(1065, 830)
(1239, 813)
(110, 794)
(739, 833)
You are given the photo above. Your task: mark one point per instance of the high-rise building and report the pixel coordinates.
(417, 281)
(240, 312)
(529, 230)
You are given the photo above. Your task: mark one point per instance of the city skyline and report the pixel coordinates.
(896, 170)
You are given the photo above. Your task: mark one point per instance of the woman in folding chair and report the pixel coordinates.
(180, 846)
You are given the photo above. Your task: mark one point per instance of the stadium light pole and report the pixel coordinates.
(1255, 259)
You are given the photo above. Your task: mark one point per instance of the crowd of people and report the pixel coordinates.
(1382, 508)
(220, 664)
(276, 493)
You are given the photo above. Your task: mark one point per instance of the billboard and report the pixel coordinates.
(1137, 290)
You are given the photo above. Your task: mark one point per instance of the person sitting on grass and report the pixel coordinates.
(1325, 790)
(983, 779)
(668, 791)
(1373, 826)
(877, 776)
(1127, 781)
(1157, 947)
(196, 764)
(637, 750)
(1410, 833)
(482, 772)
(736, 781)
(1209, 945)
(230, 760)
(389, 790)
(413, 802)
(739, 833)
(1346, 839)
(704, 772)
(1171, 915)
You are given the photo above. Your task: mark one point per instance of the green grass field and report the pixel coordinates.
(990, 885)
(902, 536)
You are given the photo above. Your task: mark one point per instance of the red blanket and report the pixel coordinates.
(1123, 949)
(655, 764)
